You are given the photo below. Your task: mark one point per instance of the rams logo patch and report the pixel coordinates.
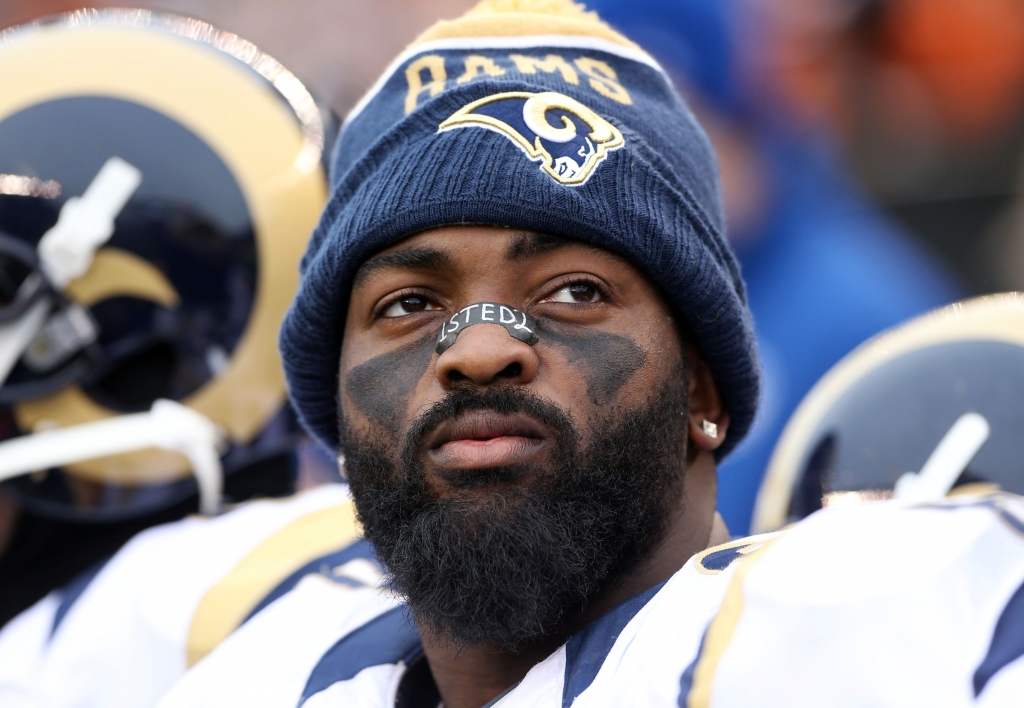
(567, 138)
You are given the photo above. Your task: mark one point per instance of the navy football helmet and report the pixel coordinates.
(159, 180)
(925, 409)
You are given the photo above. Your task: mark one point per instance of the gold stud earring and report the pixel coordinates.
(710, 429)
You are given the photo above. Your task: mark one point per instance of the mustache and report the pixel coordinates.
(504, 400)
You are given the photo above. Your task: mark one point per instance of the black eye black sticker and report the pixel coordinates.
(516, 322)
(380, 388)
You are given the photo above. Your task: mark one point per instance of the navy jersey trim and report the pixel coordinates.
(686, 680)
(586, 651)
(1007, 642)
(386, 639)
(70, 593)
(995, 503)
(359, 549)
(716, 559)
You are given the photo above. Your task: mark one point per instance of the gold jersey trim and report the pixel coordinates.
(226, 605)
(721, 631)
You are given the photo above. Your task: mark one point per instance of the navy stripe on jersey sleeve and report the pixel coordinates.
(70, 593)
(686, 680)
(1007, 642)
(359, 549)
(586, 651)
(386, 639)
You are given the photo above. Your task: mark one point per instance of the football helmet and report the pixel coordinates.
(159, 180)
(928, 408)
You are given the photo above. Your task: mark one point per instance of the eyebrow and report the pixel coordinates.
(527, 245)
(406, 259)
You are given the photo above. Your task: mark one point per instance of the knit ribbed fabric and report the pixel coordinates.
(653, 196)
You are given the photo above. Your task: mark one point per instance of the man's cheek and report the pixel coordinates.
(380, 388)
(606, 361)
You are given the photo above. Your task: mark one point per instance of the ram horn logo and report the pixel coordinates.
(569, 153)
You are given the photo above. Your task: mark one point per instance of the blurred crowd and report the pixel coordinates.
(871, 150)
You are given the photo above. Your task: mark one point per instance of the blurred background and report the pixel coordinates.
(872, 151)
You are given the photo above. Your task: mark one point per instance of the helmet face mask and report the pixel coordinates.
(65, 348)
(184, 300)
(166, 319)
(882, 412)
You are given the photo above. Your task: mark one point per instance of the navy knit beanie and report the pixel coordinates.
(531, 114)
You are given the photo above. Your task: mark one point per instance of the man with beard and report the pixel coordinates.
(521, 325)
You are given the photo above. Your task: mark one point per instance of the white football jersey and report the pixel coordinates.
(328, 645)
(122, 634)
(881, 605)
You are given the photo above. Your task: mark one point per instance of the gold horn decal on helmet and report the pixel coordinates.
(117, 273)
(166, 65)
(569, 139)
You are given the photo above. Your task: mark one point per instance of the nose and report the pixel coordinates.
(485, 354)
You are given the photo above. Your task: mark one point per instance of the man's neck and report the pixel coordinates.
(471, 676)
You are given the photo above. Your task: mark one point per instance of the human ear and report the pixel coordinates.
(705, 406)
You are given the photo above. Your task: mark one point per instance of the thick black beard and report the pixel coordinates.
(510, 567)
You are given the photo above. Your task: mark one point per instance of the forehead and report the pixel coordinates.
(454, 248)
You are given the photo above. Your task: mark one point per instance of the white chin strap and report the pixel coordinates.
(167, 426)
(66, 251)
(946, 463)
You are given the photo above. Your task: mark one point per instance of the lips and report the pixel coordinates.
(482, 439)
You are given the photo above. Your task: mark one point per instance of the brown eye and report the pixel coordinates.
(576, 293)
(408, 306)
